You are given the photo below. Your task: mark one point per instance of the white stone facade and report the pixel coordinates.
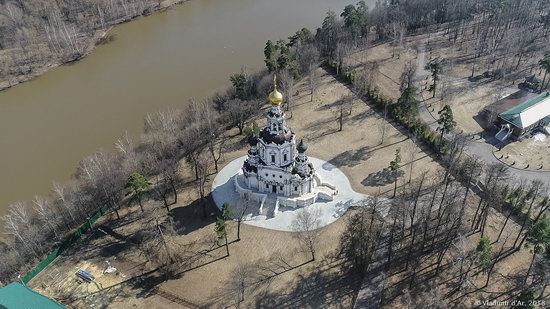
(277, 165)
(274, 165)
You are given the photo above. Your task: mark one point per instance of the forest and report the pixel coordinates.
(36, 34)
(427, 219)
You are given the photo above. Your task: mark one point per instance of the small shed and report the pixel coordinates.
(525, 117)
(18, 296)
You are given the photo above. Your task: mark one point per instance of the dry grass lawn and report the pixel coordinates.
(528, 152)
(467, 98)
(207, 279)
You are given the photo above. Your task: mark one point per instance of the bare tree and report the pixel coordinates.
(46, 214)
(462, 259)
(156, 244)
(241, 278)
(344, 104)
(239, 112)
(287, 83)
(382, 125)
(306, 226)
(407, 76)
(240, 212)
(17, 221)
(313, 82)
(363, 229)
(203, 171)
(308, 56)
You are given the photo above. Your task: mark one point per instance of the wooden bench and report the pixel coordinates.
(84, 275)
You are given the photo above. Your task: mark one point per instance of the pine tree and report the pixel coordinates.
(446, 123)
(395, 168)
(139, 184)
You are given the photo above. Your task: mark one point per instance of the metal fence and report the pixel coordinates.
(68, 242)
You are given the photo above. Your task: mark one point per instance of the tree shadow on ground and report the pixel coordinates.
(320, 287)
(113, 249)
(146, 284)
(360, 117)
(235, 144)
(380, 178)
(329, 106)
(354, 157)
(190, 217)
(320, 128)
(351, 157)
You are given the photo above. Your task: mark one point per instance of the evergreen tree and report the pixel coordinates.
(221, 227)
(485, 253)
(243, 85)
(525, 299)
(269, 53)
(407, 105)
(435, 68)
(446, 123)
(302, 37)
(539, 237)
(355, 19)
(544, 64)
(395, 168)
(485, 257)
(139, 185)
(327, 34)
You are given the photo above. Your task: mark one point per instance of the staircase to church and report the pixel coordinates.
(269, 207)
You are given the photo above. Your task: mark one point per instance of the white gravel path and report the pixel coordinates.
(223, 190)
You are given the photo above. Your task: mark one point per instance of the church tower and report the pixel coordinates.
(274, 164)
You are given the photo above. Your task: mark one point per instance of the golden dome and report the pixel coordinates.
(275, 97)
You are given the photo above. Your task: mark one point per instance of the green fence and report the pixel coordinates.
(68, 242)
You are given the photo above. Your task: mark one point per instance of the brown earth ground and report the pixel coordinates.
(387, 77)
(467, 98)
(529, 153)
(289, 278)
(506, 279)
(356, 150)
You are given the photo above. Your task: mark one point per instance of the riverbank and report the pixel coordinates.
(189, 51)
(30, 71)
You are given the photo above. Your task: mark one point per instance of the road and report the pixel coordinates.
(482, 149)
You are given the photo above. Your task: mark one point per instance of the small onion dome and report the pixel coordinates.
(302, 147)
(253, 140)
(275, 97)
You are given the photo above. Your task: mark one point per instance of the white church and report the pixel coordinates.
(276, 165)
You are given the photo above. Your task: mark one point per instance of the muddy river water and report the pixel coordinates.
(47, 125)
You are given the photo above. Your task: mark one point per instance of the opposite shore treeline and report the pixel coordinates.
(39, 35)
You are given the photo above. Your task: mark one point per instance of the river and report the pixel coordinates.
(157, 62)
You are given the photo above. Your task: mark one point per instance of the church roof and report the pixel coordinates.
(275, 96)
(252, 140)
(302, 147)
(249, 168)
(278, 139)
